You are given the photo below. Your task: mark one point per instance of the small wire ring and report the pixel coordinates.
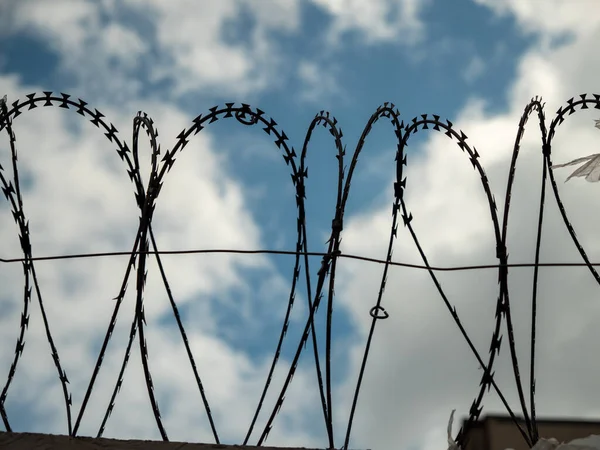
(378, 312)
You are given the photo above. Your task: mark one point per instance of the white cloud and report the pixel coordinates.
(377, 20)
(102, 60)
(320, 82)
(123, 44)
(551, 18)
(103, 51)
(474, 69)
(185, 47)
(276, 14)
(195, 49)
(194, 55)
(67, 22)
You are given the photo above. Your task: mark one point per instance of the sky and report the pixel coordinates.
(477, 63)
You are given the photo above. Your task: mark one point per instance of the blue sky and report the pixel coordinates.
(476, 63)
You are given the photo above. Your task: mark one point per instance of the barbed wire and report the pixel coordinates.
(145, 246)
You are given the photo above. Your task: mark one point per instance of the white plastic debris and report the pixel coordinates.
(589, 443)
(451, 444)
(590, 170)
(546, 444)
(592, 441)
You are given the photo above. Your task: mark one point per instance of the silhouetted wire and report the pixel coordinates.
(487, 380)
(146, 197)
(376, 312)
(298, 175)
(538, 244)
(28, 266)
(293, 253)
(534, 105)
(502, 251)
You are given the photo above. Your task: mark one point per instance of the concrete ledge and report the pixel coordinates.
(36, 441)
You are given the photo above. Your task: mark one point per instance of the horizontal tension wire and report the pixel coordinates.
(289, 252)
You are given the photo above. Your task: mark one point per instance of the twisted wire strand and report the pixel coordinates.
(145, 246)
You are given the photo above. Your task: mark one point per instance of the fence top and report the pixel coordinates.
(31, 441)
(145, 247)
